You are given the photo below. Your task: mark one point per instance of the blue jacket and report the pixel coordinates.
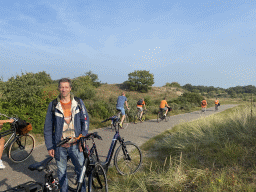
(53, 126)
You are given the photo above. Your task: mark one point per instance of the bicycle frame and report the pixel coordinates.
(8, 132)
(111, 149)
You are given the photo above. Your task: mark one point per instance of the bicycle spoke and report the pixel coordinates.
(128, 161)
(21, 148)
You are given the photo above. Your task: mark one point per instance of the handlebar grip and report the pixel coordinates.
(95, 135)
(63, 141)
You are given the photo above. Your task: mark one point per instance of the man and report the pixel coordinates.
(66, 117)
(216, 104)
(163, 106)
(204, 105)
(2, 166)
(121, 100)
(140, 104)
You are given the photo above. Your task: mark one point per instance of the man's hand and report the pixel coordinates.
(51, 152)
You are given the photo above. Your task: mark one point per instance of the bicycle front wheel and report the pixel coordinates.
(125, 122)
(21, 148)
(159, 117)
(128, 158)
(167, 118)
(97, 180)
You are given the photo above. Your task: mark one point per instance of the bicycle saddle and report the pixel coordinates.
(40, 166)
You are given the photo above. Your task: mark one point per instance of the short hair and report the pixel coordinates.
(64, 80)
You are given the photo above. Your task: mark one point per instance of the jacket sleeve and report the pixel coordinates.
(48, 128)
(84, 116)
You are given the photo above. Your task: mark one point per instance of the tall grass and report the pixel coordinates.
(217, 153)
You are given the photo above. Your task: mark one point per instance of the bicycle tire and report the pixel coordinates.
(167, 118)
(143, 118)
(122, 164)
(125, 122)
(21, 148)
(159, 117)
(135, 120)
(97, 180)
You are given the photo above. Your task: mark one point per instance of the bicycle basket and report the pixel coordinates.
(22, 130)
(169, 108)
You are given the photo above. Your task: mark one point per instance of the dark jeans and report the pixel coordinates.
(77, 159)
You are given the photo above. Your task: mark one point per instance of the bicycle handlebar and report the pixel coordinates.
(87, 137)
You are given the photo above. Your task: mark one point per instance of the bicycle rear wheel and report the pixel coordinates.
(97, 180)
(159, 117)
(21, 148)
(128, 158)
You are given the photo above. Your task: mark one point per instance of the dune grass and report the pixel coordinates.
(216, 153)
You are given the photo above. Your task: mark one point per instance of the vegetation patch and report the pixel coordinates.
(216, 153)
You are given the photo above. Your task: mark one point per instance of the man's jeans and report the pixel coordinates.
(77, 159)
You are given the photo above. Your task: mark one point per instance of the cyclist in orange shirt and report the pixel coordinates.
(204, 105)
(216, 104)
(140, 104)
(163, 106)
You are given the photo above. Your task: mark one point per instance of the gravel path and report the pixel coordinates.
(15, 174)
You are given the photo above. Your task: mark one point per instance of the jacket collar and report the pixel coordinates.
(73, 103)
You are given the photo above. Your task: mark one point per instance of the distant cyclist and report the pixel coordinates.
(204, 105)
(217, 102)
(121, 100)
(163, 106)
(140, 105)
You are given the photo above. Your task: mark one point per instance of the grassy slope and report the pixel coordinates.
(216, 153)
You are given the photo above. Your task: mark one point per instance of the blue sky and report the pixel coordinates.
(201, 42)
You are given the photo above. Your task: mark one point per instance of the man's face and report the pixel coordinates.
(64, 89)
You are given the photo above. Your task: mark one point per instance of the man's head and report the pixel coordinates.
(123, 93)
(65, 87)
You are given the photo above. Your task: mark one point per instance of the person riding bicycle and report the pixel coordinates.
(140, 104)
(66, 117)
(121, 100)
(216, 102)
(204, 105)
(2, 166)
(163, 106)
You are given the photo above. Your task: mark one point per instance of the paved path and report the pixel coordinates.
(15, 174)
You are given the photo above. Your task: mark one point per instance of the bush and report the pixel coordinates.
(188, 98)
(23, 97)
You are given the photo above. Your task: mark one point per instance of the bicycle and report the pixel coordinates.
(50, 184)
(161, 116)
(137, 116)
(115, 119)
(97, 179)
(127, 158)
(20, 145)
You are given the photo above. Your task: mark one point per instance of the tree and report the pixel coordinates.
(140, 80)
(173, 84)
(94, 78)
(25, 89)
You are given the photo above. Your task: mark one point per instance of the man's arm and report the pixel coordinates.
(48, 126)
(126, 104)
(84, 119)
